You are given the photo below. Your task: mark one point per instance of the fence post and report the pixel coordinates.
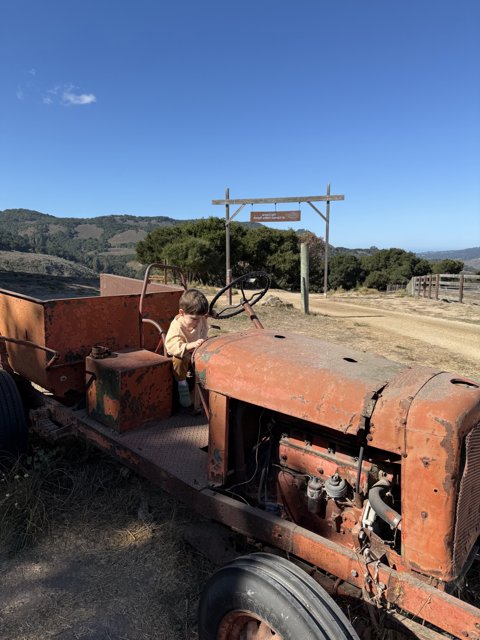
(429, 286)
(437, 285)
(460, 288)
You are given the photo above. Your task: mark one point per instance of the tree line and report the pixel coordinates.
(199, 248)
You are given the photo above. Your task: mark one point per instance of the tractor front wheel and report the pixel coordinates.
(265, 597)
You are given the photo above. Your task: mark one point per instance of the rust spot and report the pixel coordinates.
(128, 456)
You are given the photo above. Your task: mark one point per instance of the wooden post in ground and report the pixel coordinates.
(327, 233)
(460, 287)
(304, 271)
(228, 270)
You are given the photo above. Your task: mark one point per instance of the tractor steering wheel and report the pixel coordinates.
(249, 278)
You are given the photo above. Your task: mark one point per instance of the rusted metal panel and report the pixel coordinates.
(23, 318)
(129, 388)
(300, 376)
(71, 326)
(218, 439)
(113, 285)
(389, 418)
(442, 413)
(467, 525)
(168, 452)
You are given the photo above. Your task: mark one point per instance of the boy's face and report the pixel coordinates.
(188, 320)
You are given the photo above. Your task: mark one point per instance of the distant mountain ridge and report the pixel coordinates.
(107, 243)
(454, 254)
(470, 257)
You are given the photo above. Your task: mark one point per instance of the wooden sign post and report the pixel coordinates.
(275, 216)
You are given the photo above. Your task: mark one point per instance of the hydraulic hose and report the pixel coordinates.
(381, 508)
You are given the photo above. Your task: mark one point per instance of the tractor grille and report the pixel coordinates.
(467, 527)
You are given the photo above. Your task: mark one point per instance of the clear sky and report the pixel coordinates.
(148, 107)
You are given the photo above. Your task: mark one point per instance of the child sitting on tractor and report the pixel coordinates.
(187, 331)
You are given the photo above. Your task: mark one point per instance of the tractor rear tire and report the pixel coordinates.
(262, 596)
(13, 426)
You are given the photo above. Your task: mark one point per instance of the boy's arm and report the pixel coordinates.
(175, 342)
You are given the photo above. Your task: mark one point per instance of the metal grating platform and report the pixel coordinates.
(173, 445)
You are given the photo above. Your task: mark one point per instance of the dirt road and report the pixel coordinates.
(456, 336)
(455, 328)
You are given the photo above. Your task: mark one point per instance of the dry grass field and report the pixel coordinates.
(89, 551)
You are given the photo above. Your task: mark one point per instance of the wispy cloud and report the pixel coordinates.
(67, 96)
(51, 95)
(71, 98)
(26, 84)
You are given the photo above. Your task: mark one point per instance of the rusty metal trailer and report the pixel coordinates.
(364, 472)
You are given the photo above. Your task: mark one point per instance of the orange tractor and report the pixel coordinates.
(362, 475)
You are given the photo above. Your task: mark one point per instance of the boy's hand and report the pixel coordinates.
(194, 345)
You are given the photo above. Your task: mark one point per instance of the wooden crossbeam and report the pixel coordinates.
(328, 198)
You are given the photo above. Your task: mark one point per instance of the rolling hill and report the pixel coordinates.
(107, 243)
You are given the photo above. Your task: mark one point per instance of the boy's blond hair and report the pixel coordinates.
(193, 302)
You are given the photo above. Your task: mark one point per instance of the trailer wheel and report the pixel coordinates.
(13, 426)
(262, 596)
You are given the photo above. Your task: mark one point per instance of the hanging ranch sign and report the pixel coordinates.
(274, 216)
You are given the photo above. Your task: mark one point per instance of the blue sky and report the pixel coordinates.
(154, 108)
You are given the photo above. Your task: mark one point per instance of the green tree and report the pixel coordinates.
(447, 266)
(274, 251)
(198, 247)
(12, 242)
(396, 265)
(345, 271)
(377, 280)
(195, 257)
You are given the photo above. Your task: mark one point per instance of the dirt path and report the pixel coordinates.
(460, 336)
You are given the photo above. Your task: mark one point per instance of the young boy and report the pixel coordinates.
(187, 331)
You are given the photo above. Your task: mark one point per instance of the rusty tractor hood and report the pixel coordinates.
(298, 375)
